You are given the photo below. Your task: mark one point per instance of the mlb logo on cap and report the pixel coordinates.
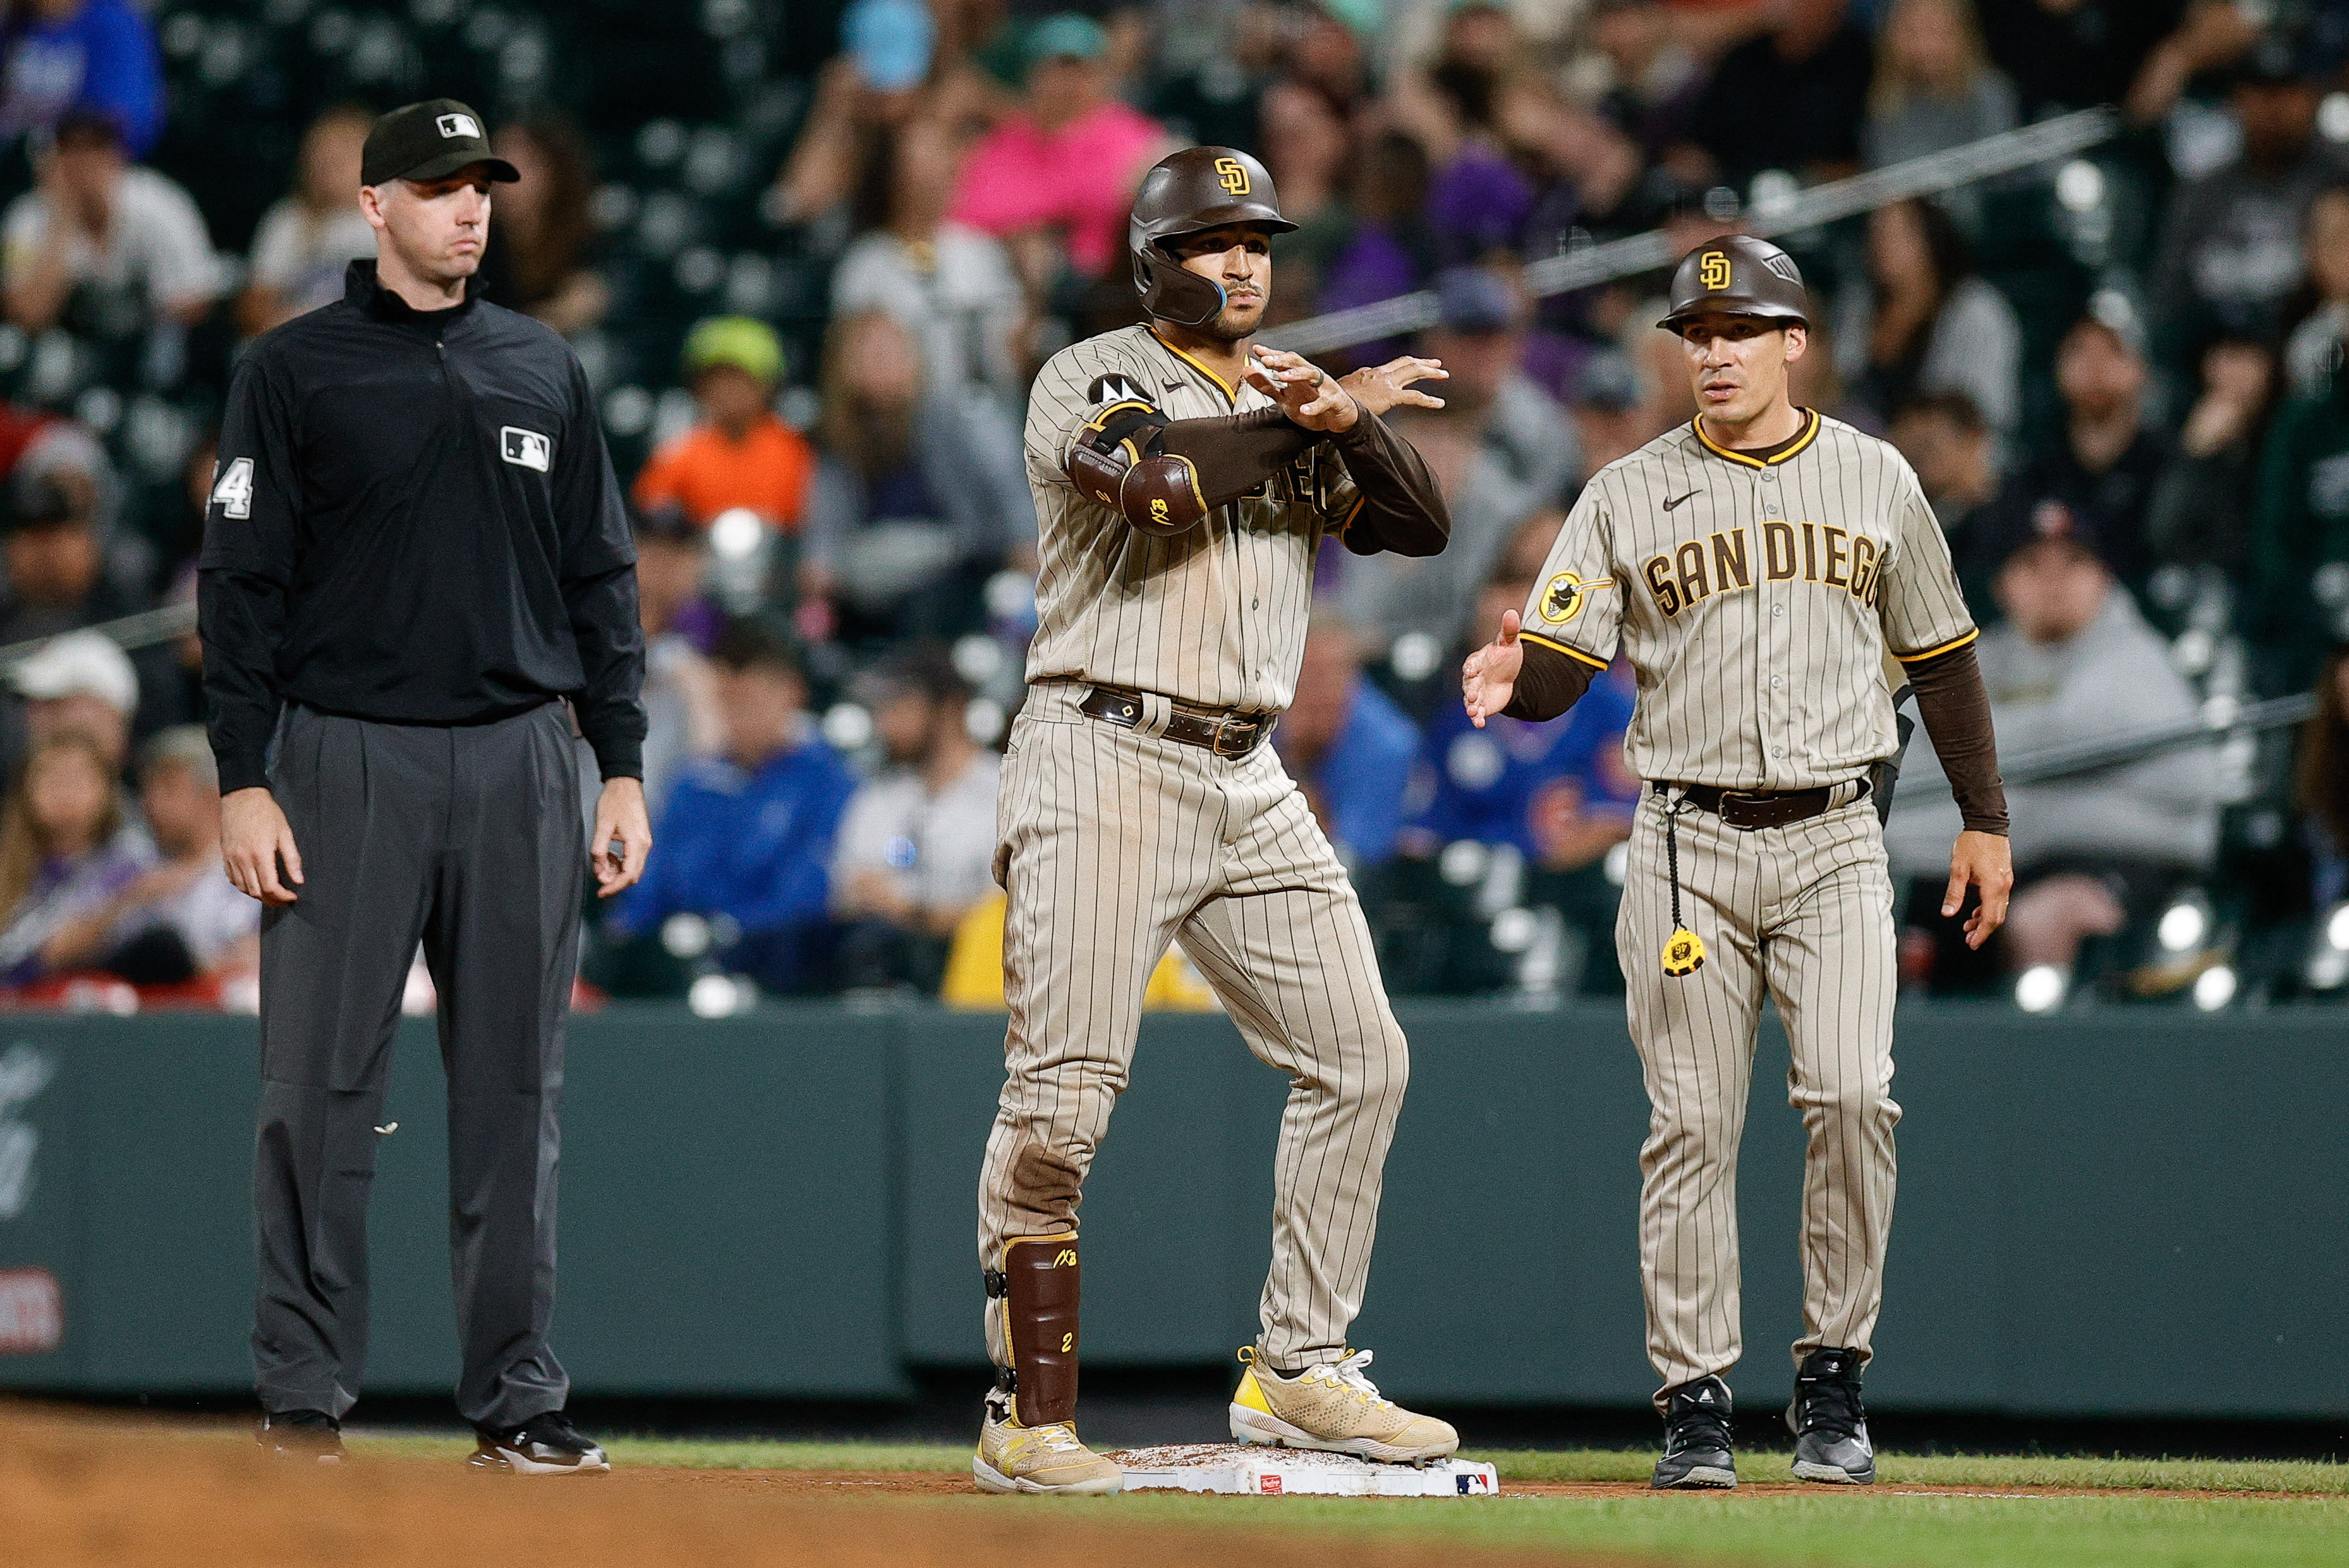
(526, 449)
(458, 125)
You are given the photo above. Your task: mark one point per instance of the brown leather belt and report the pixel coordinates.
(1752, 808)
(1227, 734)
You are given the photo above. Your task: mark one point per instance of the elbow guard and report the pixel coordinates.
(1118, 463)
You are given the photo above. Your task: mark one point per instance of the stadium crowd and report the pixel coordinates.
(811, 255)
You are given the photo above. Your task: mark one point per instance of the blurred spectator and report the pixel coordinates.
(2070, 54)
(183, 919)
(1792, 99)
(1559, 792)
(2321, 781)
(681, 691)
(79, 684)
(536, 260)
(2073, 664)
(104, 245)
(2231, 245)
(741, 453)
(2298, 600)
(918, 498)
(946, 283)
(1925, 322)
(1347, 745)
(1501, 448)
(1654, 78)
(66, 850)
(1392, 249)
(92, 54)
(2312, 353)
(745, 837)
(1067, 160)
(1935, 87)
(1227, 98)
(2200, 513)
(1309, 156)
(916, 849)
(1586, 172)
(57, 582)
(2094, 485)
(1478, 200)
(309, 237)
(1955, 454)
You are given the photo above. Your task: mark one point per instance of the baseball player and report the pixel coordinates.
(1184, 482)
(1759, 564)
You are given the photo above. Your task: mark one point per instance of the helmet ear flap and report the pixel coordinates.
(1171, 292)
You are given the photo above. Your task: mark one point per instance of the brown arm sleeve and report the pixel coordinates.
(1549, 684)
(1402, 508)
(1234, 453)
(1955, 707)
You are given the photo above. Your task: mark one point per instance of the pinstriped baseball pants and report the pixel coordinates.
(1113, 842)
(1803, 915)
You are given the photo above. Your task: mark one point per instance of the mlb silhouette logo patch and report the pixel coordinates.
(459, 125)
(526, 449)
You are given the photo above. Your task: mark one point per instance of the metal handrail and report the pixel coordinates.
(2051, 763)
(144, 630)
(1587, 265)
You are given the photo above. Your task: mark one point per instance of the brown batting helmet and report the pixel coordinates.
(1189, 193)
(1738, 274)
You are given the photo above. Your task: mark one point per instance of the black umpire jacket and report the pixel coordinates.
(414, 520)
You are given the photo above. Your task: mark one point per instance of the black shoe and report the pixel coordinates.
(1697, 1437)
(546, 1445)
(1829, 1423)
(302, 1434)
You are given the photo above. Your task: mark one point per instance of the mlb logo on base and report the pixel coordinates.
(526, 449)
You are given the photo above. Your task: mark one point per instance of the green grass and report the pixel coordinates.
(1818, 1528)
(1988, 1472)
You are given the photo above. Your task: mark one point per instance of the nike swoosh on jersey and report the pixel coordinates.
(1676, 499)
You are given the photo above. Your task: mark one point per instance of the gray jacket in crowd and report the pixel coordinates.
(2112, 679)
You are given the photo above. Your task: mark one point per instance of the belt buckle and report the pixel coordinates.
(1734, 804)
(1225, 727)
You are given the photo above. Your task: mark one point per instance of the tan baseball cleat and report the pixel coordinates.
(1013, 1457)
(1334, 1409)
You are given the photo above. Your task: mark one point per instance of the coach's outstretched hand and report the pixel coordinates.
(620, 818)
(1489, 678)
(254, 838)
(1983, 860)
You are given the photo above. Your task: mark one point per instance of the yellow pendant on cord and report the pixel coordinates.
(1684, 953)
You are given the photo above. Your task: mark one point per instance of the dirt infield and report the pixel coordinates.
(89, 1492)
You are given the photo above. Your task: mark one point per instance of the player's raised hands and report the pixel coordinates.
(1382, 387)
(1489, 677)
(1307, 393)
(1983, 860)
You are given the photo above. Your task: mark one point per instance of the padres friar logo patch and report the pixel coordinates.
(1232, 176)
(1561, 601)
(1714, 271)
(1683, 953)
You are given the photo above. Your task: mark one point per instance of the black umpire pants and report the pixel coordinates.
(467, 840)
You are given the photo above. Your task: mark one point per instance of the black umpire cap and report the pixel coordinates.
(1738, 274)
(429, 140)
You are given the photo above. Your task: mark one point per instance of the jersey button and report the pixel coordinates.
(1776, 610)
(1777, 751)
(1777, 681)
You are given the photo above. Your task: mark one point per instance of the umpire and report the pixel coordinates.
(415, 554)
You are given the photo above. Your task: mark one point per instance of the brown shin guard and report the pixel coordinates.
(1039, 1326)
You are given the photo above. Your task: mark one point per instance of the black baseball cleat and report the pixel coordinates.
(302, 1434)
(1829, 1423)
(546, 1445)
(1698, 1439)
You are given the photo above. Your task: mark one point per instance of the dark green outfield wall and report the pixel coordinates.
(2122, 1213)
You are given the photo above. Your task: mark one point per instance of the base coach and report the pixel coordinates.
(415, 554)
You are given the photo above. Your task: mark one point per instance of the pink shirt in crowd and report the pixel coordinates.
(1079, 178)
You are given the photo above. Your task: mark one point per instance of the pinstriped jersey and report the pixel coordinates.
(1756, 598)
(1214, 615)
